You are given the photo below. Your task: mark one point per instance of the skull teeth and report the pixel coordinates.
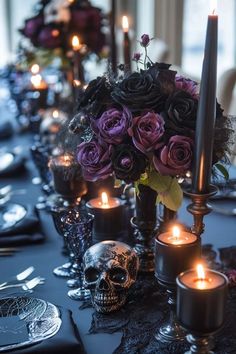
(105, 299)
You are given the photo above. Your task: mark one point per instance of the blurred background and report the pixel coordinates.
(180, 24)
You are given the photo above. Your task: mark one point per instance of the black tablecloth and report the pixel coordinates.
(220, 231)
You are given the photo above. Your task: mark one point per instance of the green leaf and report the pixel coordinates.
(172, 197)
(222, 170)
(158, 182)
(168, 189)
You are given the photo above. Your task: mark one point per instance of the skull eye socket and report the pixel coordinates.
(117, 275)
(91, 274)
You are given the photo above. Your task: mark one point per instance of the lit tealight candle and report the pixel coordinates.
(67, 179)
(108, 217)
(177, 237)
(176, 251)
(35, 69)
(55, 113)
(38, 83)
(126, 43)
(203, 293)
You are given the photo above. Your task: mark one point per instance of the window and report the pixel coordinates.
(194, 31)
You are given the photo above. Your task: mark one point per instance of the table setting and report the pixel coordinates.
(117, 228)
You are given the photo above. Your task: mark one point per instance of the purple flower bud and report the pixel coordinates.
(145, 40)
(136, 56)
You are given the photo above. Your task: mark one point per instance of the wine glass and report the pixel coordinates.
(78, 236)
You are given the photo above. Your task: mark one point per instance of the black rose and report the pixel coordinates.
(96, 96)
(147, 90)
(165, 77)
(140, 91)
(128, 163)
(180, 114)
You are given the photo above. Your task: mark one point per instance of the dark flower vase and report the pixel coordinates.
(145, 225)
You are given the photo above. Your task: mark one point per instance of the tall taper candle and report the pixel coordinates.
(126, 44)
(204, 137)
(113, 37)
(78, 68)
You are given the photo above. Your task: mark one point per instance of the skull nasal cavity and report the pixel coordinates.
(103, 285)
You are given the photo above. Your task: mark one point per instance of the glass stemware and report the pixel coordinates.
(78, 237)
(64, 270)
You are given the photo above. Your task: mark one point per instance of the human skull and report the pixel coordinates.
(110, 268)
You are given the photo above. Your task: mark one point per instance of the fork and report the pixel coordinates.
(19, 277)
(26, 286)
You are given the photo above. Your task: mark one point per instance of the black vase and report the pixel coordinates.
(145, 225)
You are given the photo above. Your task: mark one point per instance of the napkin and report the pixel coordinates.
(17, 166)
(6, 130)
(67, 340)
(23, 232)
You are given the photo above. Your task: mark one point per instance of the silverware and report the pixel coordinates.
(6, 193)
(19, 277)
(5, 190)
(26, 286)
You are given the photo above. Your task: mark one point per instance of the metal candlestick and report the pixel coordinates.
(200, 344)
(199, 208)
(170, 330)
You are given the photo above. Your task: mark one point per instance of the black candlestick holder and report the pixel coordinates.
(200, 344)
(199, 208)
(170, 330)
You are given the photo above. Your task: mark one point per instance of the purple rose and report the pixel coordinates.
(94, 160)
(50, 37)
(146, 131)
(112, 126)
(145, 40)
(175, 158)
(32, 26)
(136, 56)
(187, 85)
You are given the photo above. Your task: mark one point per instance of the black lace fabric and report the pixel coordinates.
(146, 309)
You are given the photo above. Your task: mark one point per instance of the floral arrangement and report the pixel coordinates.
(56, 21)
(141, 128)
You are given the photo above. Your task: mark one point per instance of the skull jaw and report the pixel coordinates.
(105, 302)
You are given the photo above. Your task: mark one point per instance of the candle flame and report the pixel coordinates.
(200, 272)
(35, 69)
(213, 7)
(55, 114)
(76, 83)
(75, 43)
(125, 23)
(36, 80)
(104, 198)
(176, 232)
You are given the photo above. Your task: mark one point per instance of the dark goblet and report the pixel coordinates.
(78, 237)
(64, 270)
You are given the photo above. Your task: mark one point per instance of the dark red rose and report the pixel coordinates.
(32, 26)
(50, 37)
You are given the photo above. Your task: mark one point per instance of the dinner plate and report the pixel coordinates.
(10, 215)
(25, 321)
